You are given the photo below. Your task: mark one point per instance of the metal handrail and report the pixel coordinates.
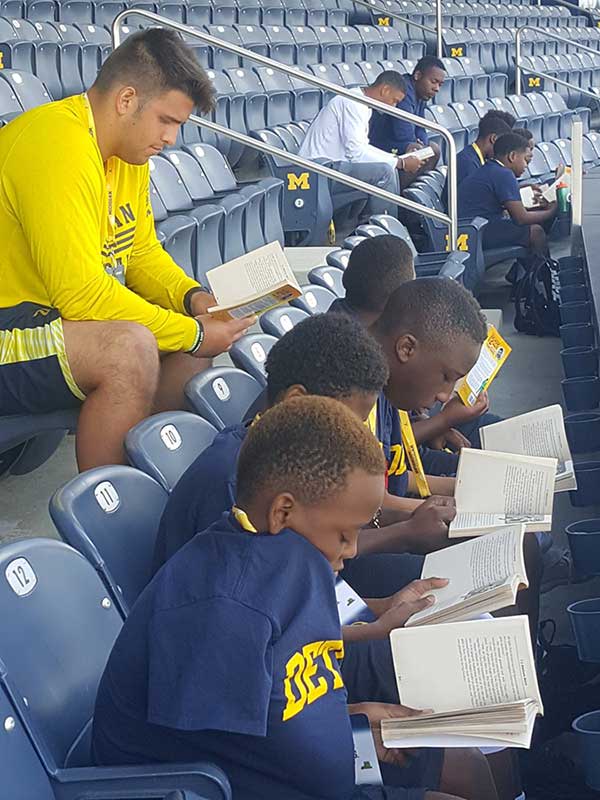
(584, 12)
(518, 58)
(450, 219)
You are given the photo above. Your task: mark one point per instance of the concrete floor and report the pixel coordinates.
(530, 379)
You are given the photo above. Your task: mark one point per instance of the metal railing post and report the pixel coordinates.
(450, 219)
(518, 62)
(576, 175)
(438, 26)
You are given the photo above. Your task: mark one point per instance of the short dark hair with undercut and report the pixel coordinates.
(491, 123)
(435, 310)
(510, 143)
(390, 77)
(154, 61)
(307, 446)
(524, 132)
(505, 116)
(331, 355)
(376, 268)
(429, 62)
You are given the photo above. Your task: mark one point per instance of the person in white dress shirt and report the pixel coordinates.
(340, 133)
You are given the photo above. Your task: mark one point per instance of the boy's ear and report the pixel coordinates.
(405, 347)
(297, 390)
(280, 510)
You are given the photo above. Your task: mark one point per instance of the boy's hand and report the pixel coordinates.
(410, 164)
(456, 412)
(452, 439)
(430, 524)
(376, 712)
(416, 591)
(403, 604)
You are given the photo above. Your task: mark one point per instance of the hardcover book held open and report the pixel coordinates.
(484, 575)
(252, 283)
(478, 677)
(495, 489)
(538, 433)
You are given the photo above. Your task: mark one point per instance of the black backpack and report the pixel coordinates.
(537, 299)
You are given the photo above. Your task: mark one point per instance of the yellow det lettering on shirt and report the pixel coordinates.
(298, 181)
(398, 461)
(299, 688)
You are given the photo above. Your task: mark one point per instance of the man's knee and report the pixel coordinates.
(537, 238)
(385, 176)
(133, 346)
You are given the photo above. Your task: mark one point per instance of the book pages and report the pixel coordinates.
(494, 352)
(537, 433)
(494, 489)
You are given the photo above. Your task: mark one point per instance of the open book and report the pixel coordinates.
(252, 284)
(478, 677)
(538, 433)
(494, 489)
(494, 352)
(484, 575)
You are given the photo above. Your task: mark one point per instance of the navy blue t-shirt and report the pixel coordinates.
(468, 161)
(392, 134)
(484, 193)
(231, 654)
(204, 491)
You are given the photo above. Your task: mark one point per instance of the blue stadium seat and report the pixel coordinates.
(278, 321)
(307, 45)
(164, 445)
(192, 175)
(373, 44)
(209, 220)
(331, 48)
(295, 13)
(338, 258)
(352, 43)
(249, 12)
(222, 59)
(273, 13)
(252, 36)
(281, 44)
(29, 90)
(252, 231)
(70, 74)
(53, 600)
(76, 11)
(328, 277)
(316, 13)
(222, 395)
(106, 11)
(250, 354)
(314, 299)
(111, 516)
(232, 241)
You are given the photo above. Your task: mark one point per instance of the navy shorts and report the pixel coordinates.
(35, 377)
(505, 233)
(382, 574)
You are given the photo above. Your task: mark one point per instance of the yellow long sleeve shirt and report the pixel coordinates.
(55, 230)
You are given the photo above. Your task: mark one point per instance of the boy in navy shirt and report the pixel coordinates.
(473, 156)
(492, 192)
(329, 355)
(232, 653)
(400, 136)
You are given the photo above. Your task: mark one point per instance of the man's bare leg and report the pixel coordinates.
(176, 369)
(466, 773)
(116, 365)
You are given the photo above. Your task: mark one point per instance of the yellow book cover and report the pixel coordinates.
(494, 352)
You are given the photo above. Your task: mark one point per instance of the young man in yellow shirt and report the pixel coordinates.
(92, 309)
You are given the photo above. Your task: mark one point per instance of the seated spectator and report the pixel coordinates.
(529, 138)
(470, 158)
(215, 659)
(339, 133)
(492, 192)
(94, 312)
(400, 136)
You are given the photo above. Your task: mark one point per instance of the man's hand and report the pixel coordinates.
(410, 164)
(418, 145)
(429, 524)
(452, 439)
(219, 336)
(200, 302)
(456, 412)
(376, 712)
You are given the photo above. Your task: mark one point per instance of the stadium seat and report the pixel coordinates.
(314, 299)
(222, 395)
(278, 321)
(232, 238)
(53, 600)
(192, 175)
(250, 354)
(164, 445)
(111, 516)
(253, 232)
(209, 219)
(330, 278)
(338, 258)
(352, 43)
(27, 440)
(29, 90)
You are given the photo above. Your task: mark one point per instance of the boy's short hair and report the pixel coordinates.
(331, 355)
(390, 77)
(510, 143)
(505, 116)
(524, 132)
(492, 123)
(307, 446)
(428, 62)
(376, 268)
(435, 310)
(154, 61)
